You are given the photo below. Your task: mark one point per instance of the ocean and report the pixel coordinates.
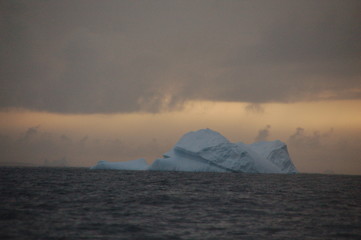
(78, 203)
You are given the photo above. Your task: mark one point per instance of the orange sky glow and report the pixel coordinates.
(233, 120)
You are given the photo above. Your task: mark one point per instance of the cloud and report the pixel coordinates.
(299, 138)
(30, 133)
(127, 56)
(254, 108)
(325, 151)
(263, 134)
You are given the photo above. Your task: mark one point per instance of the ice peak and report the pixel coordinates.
(195, 141)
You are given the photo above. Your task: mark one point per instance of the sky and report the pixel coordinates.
(85, 80)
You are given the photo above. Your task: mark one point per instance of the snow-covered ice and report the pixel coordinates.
(208, 151)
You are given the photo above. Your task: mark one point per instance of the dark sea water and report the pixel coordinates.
(78, 203)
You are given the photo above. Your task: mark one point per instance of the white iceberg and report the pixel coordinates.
(139, 164)
(208, 151)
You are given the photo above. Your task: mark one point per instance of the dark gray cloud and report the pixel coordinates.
(125, 56)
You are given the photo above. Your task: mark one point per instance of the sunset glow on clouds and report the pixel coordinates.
(118, 80)
(320, 135)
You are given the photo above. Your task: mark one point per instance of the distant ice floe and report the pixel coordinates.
(139, 164)
(208, 151)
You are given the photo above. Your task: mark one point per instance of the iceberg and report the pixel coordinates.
(139, 164)
(208, 151)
